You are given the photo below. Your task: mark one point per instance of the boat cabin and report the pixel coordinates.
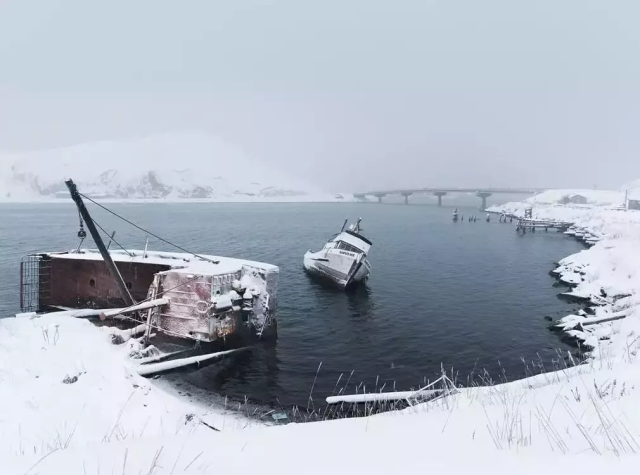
(352, 241)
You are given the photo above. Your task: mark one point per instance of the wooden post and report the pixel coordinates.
(111, 266)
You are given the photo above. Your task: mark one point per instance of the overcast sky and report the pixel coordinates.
(356, 94)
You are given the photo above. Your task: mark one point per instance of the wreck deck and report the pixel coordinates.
(81, 279)
(178, 261)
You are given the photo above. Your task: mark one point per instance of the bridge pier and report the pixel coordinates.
(483, 195)
(380, 196)
(439, 194)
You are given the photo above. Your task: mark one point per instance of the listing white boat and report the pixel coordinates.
(342, 260)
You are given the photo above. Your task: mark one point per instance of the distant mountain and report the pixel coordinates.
(168, 168)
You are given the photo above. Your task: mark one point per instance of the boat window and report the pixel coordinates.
(92, 283)
(128, 284)
(348, 247)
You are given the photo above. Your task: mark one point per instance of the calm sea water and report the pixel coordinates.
(465, 295)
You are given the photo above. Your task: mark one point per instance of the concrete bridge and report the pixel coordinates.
(482, 193)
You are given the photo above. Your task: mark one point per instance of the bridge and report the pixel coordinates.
(482, 193)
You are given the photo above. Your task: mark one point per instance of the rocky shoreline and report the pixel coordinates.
(604, 278)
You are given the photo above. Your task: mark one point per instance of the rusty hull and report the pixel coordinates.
(189, 295)
(192, 312)
(85, 283)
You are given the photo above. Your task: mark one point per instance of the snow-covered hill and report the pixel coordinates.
(173, 167)
(592, 197)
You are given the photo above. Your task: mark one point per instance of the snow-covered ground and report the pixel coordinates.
(111, 421)
(584, 418)
(593, 197)
(606, 275)
(175, 167)
(62, 383)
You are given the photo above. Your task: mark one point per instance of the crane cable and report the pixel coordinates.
(148, 232)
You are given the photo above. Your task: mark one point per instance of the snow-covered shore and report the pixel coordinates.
(585, 417)
(606, 276)
(111, 420)
(63, 384)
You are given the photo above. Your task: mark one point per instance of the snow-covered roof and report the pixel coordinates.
(180, 262)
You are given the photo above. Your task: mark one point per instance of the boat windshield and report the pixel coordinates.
(345, 246)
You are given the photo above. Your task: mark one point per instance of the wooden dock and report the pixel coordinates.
(525, 224)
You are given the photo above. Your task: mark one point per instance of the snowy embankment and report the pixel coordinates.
(606, 276)
(109, 420)
(63, 384)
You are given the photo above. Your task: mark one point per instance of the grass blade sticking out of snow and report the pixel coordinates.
(310, 402)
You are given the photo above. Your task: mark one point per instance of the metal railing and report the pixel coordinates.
(35, 281)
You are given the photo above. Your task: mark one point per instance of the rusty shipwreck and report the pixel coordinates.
(190, 296)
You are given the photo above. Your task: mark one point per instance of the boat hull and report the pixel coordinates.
(342, 269)
(210, 298)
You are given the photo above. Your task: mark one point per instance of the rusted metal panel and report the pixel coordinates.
(190, 296)
(81, 283)
(189, 312)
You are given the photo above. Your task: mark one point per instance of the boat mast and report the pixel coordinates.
(111, 267)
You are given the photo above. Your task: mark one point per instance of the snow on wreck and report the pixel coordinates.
(208, 297)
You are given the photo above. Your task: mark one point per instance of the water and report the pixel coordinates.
(467, 295)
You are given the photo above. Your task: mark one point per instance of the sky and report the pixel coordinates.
(353, 95)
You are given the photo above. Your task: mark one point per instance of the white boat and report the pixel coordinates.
(342, 260)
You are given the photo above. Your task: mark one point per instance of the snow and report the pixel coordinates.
(594, 197)
(585, 417)
(107, 402)
(607, 274)
(112, 421)
(172, 167)
(179, 262)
